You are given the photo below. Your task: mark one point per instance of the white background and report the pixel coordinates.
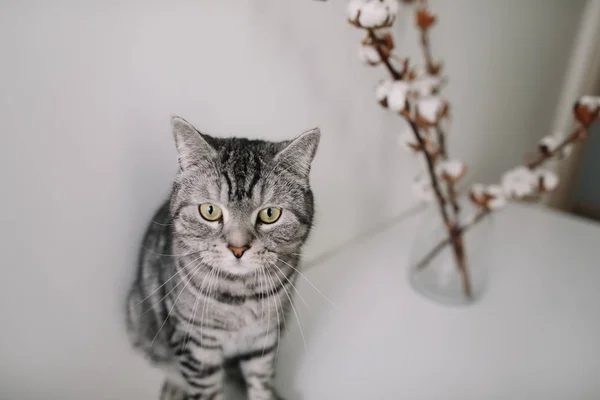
(86, 155)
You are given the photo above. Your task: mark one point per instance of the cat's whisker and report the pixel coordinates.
(309, 282)
(268, 312)
(153, 306)
(167, 281)
(278, 319)
(262, 291)
(161, 223)
(291, 283)
(207, 297)
(293, 309)
(170, 255)
(279, 325)
(174, 304)
(191, 320)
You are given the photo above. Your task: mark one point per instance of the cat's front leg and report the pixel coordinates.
(258, 369)
(202, 370)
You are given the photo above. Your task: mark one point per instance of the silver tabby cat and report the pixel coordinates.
(218, 262)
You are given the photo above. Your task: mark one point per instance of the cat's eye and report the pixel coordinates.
(210, 212)
(269, 215)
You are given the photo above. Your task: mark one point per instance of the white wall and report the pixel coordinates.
(86, 91)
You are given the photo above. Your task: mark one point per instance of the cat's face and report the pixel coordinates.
(241, 204)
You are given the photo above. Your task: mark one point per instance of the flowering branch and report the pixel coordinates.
(383, 46)
(413, 93)
(546, 153)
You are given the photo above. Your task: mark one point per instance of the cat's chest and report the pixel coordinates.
(256, 324)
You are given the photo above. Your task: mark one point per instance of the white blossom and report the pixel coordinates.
(394, 93)
(408, 141)
(426, 85)
(590, 102)
(368, 54)
(519, 182)
(548, 180)
(353, 9)
(497, 199)
(396, 97)
(431, 108)
(372, 13)
(490, 196)
(477, 191)
(383, 89)
(452, 169)
(422, 188)
(549, 144)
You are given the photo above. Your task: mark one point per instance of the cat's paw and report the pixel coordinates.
(170, 391)
(270, 395)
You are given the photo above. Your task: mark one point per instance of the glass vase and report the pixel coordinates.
(451, 268)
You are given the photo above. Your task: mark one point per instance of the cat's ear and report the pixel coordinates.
(193, 149)
(299, 153)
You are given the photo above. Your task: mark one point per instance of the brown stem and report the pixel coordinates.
(432, 175)
(454, 231)
(461, 263)
(431, 67)
(441, 138)
(453, 201)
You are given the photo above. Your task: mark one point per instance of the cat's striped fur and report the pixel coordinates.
(195, 308)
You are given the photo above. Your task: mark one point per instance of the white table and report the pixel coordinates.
(535, 334)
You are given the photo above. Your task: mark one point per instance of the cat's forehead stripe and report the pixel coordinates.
(242, 169)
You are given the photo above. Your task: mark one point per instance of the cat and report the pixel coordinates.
(218, 262)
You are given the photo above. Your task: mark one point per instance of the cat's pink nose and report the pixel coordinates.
(238, 252)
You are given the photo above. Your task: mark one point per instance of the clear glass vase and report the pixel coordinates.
(451, 271)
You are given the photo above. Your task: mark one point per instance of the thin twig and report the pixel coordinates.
(441, 138)
(452, 194)
(373, 36)
(543, 157)
(432, 175)
(431, 67)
